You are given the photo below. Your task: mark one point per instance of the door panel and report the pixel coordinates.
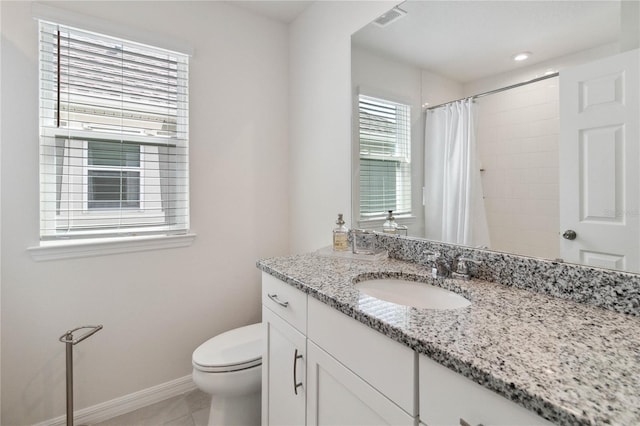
(338, 397)
(600, 162)
(281, 404)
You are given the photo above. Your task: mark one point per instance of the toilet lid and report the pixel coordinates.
(233, 350)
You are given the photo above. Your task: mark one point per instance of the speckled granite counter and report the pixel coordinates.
(571, 363)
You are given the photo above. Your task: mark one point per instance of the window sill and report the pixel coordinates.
(402, 220)
(57, 250)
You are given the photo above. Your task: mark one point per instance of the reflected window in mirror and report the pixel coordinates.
(384, 135)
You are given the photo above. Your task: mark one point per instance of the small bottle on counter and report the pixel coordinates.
(340, 235)
(390, 226)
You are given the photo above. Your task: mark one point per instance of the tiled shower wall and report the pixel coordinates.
(518, 134)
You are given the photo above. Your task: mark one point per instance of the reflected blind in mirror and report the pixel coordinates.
(113, 137)
(385, 157)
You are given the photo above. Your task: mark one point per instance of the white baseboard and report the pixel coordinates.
(127, 403)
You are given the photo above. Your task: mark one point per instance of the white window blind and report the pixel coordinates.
(113, 137)
(385, 157)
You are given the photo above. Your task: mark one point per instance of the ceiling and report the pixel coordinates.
(468, 40)
(283, 11)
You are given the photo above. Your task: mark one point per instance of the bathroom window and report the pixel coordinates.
(385, 157)
(113, 137)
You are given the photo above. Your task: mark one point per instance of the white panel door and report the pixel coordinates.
(338, 397)
(600, 163)
(283, 372)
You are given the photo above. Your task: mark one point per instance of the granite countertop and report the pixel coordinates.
(571, 363)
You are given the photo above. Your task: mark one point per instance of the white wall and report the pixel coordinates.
(629, 25)
(156, 306)
(320, 118)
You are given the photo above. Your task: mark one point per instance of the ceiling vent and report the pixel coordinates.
(389, 17)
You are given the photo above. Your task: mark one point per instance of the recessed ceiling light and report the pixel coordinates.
(521, 56)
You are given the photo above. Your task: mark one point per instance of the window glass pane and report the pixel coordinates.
(377, 186)
(114, 154)
(111, 189)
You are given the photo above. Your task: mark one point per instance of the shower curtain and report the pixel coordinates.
(454, 205)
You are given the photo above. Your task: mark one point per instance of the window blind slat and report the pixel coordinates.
(385, 157)
(114, 137)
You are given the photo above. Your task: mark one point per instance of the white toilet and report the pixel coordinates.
(229, 368)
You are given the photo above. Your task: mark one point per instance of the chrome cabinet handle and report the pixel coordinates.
(274, 297)
(296, 385)
(569, 234)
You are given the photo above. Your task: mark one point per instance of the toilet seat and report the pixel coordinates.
(233, 350)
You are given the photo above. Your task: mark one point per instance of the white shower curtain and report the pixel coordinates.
(454, 205)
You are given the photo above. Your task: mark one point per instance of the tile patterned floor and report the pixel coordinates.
(189, 409)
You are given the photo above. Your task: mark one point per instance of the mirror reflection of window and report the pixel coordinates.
(385, 157)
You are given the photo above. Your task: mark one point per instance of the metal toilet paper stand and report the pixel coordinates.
(70, 342)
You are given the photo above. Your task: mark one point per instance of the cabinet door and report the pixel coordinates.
(283, 372)
(448, 398)
(337, 396)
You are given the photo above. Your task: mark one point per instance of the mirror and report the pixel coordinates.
(427, 53)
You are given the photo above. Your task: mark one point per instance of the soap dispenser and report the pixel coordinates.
(340, 235)
(390, 226)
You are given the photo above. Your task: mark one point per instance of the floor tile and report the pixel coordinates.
(152, 415)
(197, 400)
(201, 417)
(186, 420)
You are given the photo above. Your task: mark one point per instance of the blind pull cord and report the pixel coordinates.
(58, 85)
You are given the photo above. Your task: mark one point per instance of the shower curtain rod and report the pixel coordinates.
(502, 89)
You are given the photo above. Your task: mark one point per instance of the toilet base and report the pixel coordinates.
(242, 410)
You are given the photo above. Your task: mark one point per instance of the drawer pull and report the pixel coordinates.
(274, 297)
(296, 385)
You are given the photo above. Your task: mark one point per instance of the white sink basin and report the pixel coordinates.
(411, 293)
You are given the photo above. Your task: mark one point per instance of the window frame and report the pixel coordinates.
(372, 220)
(171, 226)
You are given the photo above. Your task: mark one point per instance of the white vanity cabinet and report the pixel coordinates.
(329, 369)
(448, 398)
(321, 367)
(284, 317)
(355, 375)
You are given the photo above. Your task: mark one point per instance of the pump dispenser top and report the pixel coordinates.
(390, 226)
(340, 235)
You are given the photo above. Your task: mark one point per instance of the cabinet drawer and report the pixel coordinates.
(388, 366)
(286, 301)
(446, 397)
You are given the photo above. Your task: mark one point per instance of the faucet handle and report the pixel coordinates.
(462, 268)
(432, 256)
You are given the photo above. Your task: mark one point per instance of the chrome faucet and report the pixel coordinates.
(439, 268)
(462, 268)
